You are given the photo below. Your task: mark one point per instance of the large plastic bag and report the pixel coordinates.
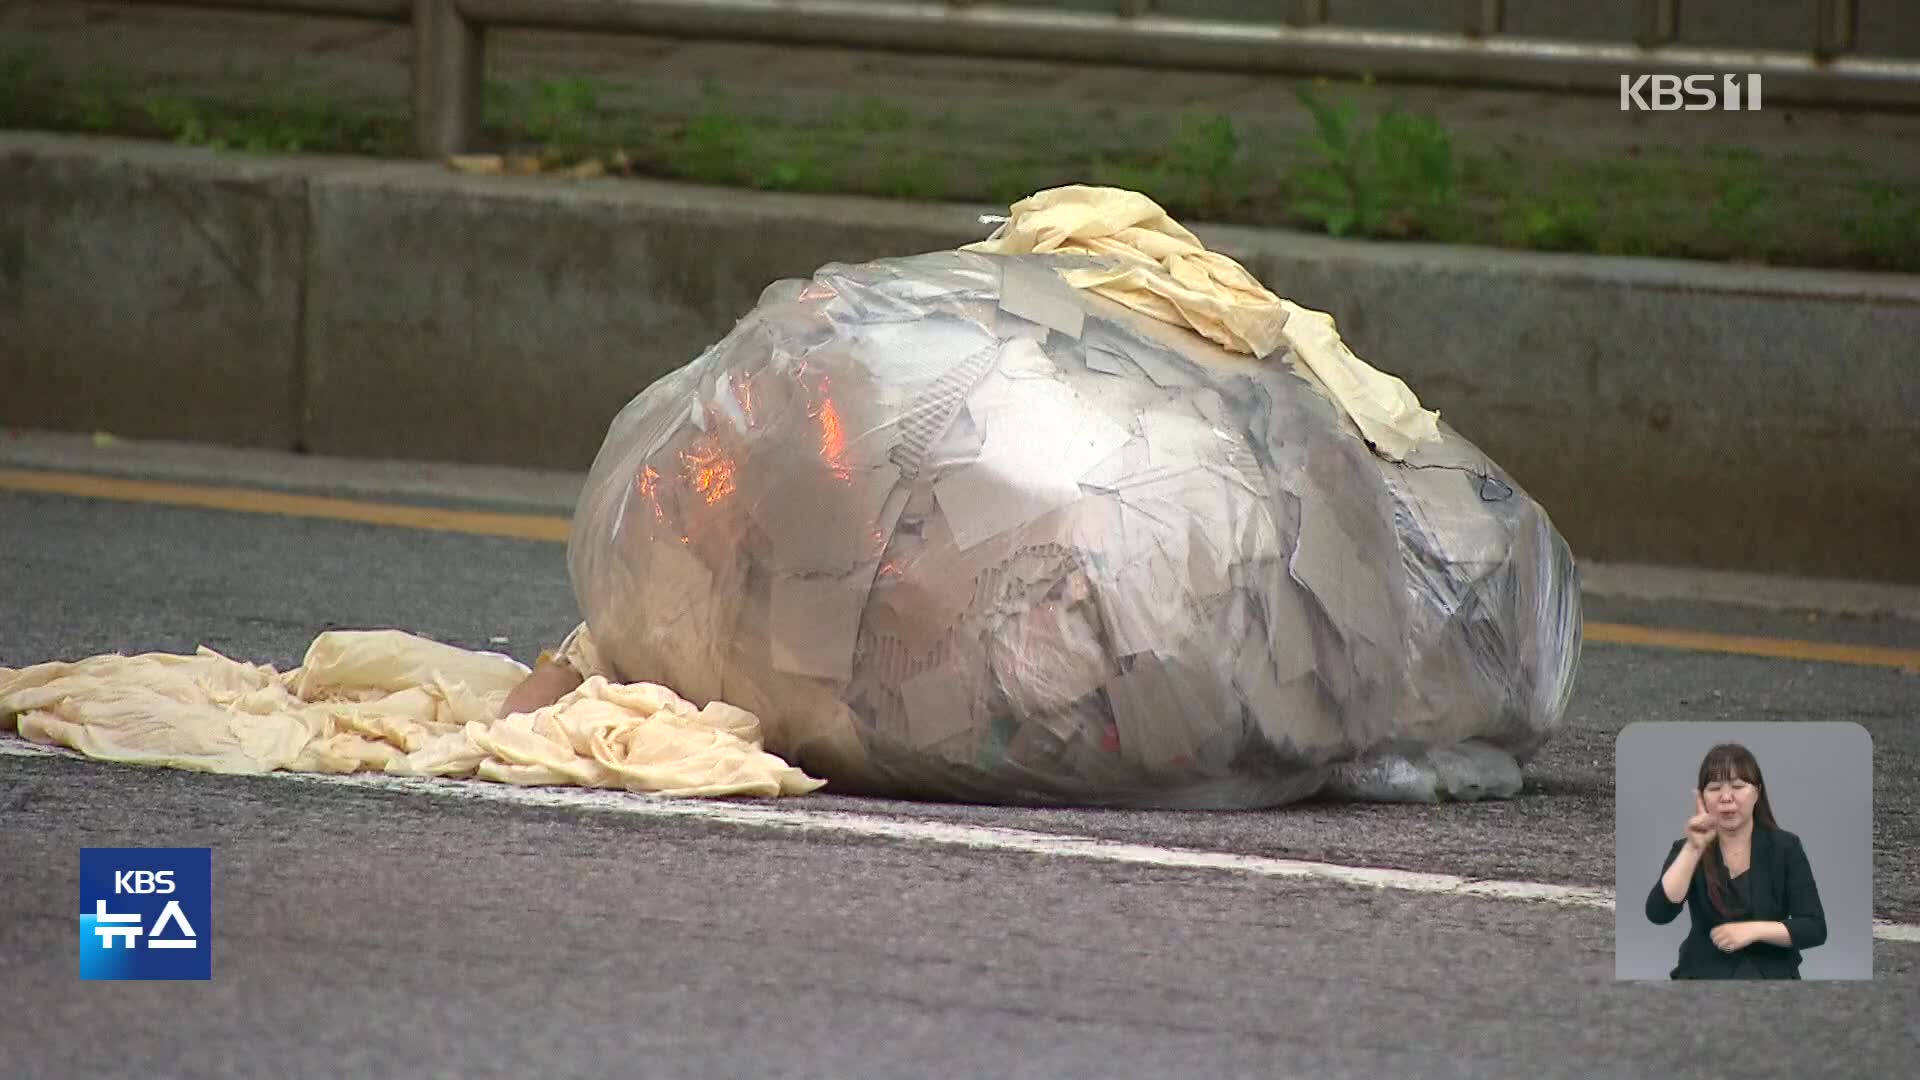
(1025, 545)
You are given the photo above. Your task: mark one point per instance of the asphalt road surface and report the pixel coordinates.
(449, 929)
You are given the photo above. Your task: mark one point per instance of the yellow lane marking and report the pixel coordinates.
(550, 528)
(1831, 652)
(249, 500)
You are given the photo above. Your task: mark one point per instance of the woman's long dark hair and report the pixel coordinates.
(1731, 761)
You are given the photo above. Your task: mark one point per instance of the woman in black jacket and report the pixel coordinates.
(1744, 880)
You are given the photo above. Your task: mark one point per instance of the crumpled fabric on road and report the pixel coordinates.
(387, 701)
(1164, 271)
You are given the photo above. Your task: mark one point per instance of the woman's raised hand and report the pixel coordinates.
(1700, 830)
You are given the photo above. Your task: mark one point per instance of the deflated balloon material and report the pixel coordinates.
(952, 528)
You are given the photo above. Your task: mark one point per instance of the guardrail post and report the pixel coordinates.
(1659, 22)
(1839, 22)
(1308, 12)
(1127, 9)
(1484, 18)
(447, 66)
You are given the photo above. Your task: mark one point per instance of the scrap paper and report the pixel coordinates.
(814, 623)
(1034, 292)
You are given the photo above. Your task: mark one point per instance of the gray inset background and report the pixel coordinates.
(1819, 779)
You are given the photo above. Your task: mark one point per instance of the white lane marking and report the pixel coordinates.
(969, 836)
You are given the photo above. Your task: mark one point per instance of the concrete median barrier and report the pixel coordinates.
(505, 322)
(150, 290)
(1683, 413)
(1666, 412)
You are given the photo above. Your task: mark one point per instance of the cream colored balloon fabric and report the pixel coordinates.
(387, 701)
(1166, 273)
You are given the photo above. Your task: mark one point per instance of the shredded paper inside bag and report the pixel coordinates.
(954, 528)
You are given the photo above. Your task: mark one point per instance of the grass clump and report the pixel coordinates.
(1200, 171)
(1376, 170)
(1394, 177)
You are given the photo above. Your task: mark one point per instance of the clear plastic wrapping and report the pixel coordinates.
(955, 530)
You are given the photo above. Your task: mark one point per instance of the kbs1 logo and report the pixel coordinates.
(1693, 93)
(146, 913)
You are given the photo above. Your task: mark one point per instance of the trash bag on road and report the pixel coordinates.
(952, 532)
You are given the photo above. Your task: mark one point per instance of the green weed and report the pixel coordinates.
(1395, 177)
(799, 168)
(181, 121)
(1566, 225)
(716, 148)
(875, 116)
(1886, 233)
(1009, 182)
(94, 108)
(722, 147)
(561, 116)
(916, 176)
(561, 108)
(1150, 178)
(1365, 171)
(280, 124)
(1201, 169)
(1740, 197)
(1206, 155)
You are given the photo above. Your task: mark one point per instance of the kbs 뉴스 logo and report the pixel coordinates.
(146, 913)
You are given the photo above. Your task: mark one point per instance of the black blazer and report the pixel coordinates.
(1781, 888)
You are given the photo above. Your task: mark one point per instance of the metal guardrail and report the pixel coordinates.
(449, 44)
